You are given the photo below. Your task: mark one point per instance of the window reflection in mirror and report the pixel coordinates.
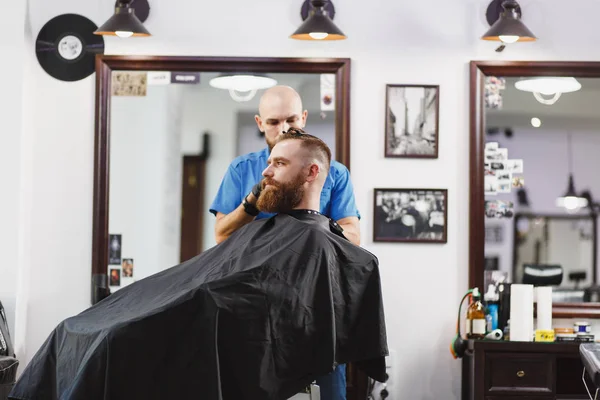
(542, 158)
(172, 137)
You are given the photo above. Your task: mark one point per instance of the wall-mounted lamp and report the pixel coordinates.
(123, 23)
(244, 83)
(548, 86)
(506, 24)
(318, 22)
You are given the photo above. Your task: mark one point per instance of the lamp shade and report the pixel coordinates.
(318, 25)
(509, 28)
(242, 82)
(570, 200)
(123, 23)
(548, 85)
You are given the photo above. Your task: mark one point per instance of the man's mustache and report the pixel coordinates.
(270, 182)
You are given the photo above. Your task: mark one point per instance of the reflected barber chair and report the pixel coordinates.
(542, 274)
(552, 275)
(577, 277)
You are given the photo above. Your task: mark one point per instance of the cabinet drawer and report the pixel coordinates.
(519, 373)
(522, 398)
(526, 398)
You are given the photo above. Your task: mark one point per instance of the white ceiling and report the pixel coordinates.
(576, 110)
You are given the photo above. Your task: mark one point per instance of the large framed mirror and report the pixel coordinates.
(166, 130)
(534, 192)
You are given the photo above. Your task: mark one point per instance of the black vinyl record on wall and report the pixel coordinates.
(66, 47)
(142, 9)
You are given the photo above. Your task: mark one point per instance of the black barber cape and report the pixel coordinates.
(257, 317)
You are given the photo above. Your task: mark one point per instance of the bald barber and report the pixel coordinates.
(234, 206)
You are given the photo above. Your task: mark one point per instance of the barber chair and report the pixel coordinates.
(542, 274)
(590, 356)
(312, 392)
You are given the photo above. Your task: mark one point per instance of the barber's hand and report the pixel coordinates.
(252, 197)
(256, 189)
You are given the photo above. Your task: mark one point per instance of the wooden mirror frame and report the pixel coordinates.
(478, 71)
(105, 64)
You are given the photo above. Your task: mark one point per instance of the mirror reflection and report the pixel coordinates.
(541, 160)
(172, 137)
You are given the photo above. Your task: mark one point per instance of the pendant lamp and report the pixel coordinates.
(318, 25)
(123, 23)
(508, 28)
(571, 201)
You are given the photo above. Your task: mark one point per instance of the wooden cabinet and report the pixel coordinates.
(498, 370)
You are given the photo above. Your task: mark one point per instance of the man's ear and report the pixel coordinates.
(304, 116)
(259, 123)
(313, 172)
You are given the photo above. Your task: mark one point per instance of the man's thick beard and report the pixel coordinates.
(281, 197)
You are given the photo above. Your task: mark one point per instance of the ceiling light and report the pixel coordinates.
(536, 122)
(570, 200)
(123, 23)
(240, 82)
(508, 28)
(318, 24)
(548, 86)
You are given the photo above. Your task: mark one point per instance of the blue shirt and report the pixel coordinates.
(337, 196)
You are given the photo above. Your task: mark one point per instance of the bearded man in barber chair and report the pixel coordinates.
(261, 315)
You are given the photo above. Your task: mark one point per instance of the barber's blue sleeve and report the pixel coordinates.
(229, 196)
(343, 203)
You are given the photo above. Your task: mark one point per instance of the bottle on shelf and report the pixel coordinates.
(491, 298)
(476, 322)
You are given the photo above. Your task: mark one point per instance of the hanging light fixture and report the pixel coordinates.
(548, 86)
(508, 28)
(318, 22)
(571, 201)
(123, 23)
(242, 82)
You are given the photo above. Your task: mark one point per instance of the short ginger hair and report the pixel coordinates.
(317, 149)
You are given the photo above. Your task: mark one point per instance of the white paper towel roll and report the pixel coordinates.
(521, 313)
(544, 307)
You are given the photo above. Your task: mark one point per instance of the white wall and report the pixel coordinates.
(429, 42)
(145, 177)
(11, 148)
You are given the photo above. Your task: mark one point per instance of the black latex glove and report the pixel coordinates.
(256, 189)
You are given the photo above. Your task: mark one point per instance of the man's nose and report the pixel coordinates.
(267, 172)
(285, 127)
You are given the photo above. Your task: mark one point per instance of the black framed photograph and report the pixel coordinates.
(115, 244)
(412, 121)
(410, 215)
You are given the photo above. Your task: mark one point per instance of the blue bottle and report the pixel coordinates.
(491, 299)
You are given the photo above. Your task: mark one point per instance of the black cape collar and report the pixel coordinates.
(317, 217)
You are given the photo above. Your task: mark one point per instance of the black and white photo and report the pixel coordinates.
(410, 215)
(514, 166)
(499, 209)
(412, 121)
(114, 245)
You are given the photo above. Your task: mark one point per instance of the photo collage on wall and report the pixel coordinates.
(411, 131)
(493, 92)
(501, 175)
(120, 271)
